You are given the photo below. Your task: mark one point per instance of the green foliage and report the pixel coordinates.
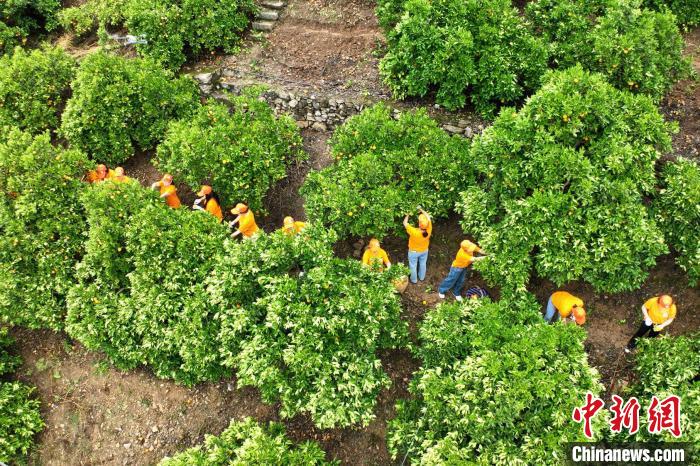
(20, 18)
(20, 419)
(671, 366)
(120, 105)
(309, 341)
(241, 154)
(636, 49)
(33, 88)
(173, 28)
(687, 11)
(385, 168)
(677, 209)
(563, 184)
(85, 18)
(41, 228)
(455, 47)
(148, 305)
(497, 386)
(247, 443)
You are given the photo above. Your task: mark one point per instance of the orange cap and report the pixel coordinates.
(374, 244)
(168, 177)
(423, 221)
(579, 315)
(665, 300)
(288, 222)
(204, 190)
(239, 209)
(468, 245)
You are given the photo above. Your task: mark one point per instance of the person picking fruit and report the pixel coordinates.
(375, 257)
(168, 191)
(100, 173)
(245, 220)
(459, 271)
(658, 313)
(563, 305)
(119, 176)
(418, 245)
(210, 201)
(292, 227)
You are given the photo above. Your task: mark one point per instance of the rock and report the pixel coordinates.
(127, 445)
(359, 244)
(264, 26)
(273, 4)
(268, 15)
(206, 89)
(319, 126)
(357, 254)
(452, 129)
(302, 124)
(204, 78)
(462, 123)
(154, 429)
(468, 132)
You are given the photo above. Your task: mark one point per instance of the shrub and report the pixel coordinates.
(669, 366)
(33, 88)
(20, 419)
(20, 18)
(636, 49)
(41, 228)
(497, 387)
(120, 105)
(386, 168)
(456, 47)
(246, 442)
(315, 348)
(677, 210)
(150, 306)
(173, 28)
(85, 18)
(563, 181)
(241, 154)
(687, 11)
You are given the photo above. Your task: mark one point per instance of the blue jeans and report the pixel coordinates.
(417, 264)
(552, 315)
(454, 280)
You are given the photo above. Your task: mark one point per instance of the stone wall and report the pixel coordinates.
(322, 113)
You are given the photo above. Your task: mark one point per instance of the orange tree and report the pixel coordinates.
(41, 227)
(384, 169)
(497, 385)
(562, 185)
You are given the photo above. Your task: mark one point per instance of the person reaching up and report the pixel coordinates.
(168, 191)
(418, 245)
(209, 202)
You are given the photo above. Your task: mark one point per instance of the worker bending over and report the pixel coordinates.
(209, 202)
(459, 271)
(418, 244)
(100, 173)
(168, 191)
(565, 306)
(292, 227)
(658, 312)
(245, 220)
(375, 257)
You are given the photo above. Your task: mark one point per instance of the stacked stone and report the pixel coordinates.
(310, 111)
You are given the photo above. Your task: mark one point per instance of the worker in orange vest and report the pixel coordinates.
(245, 220)
(565, 306)
(119, 176)
(418, 245)
(168, 191)
(209, 202)
(459, 271)
(100, 173)
(291, 227)
(375, 257)
(658, 313)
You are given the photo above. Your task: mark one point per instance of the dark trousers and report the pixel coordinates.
(643, 330)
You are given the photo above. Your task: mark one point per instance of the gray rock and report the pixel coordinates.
(268, 15)
(319, 126)
(264, 26)
(204, 78)
(273, 4)
(302, 124)
(468, 132)
(293, 103)
(452, 129)
(462, 123)
(206, 89)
